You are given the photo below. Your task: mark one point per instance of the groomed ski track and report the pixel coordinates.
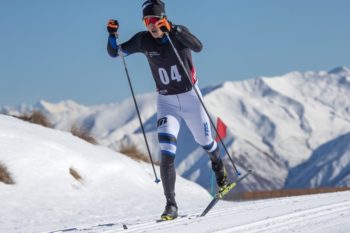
(312, 213)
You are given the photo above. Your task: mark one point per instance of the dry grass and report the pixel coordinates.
(36, 117)
(81, 133)
(75, 174)
(5, 176)
(134, 153)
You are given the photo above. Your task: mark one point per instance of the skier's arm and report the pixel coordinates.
(129, 47)
(187, 38)
(112, 46)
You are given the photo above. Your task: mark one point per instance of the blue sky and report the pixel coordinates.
(56, 49)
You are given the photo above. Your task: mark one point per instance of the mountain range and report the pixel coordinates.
(292, 130)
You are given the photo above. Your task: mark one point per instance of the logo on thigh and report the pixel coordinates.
(162, 121)
(206, 129)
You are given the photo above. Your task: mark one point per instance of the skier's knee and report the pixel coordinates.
(210, 147)
(213, 151)
(168, 144)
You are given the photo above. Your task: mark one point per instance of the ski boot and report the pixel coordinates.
(220, 174)
(170, 212)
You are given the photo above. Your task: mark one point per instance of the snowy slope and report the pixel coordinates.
(327, 213)
(117, 193)
(46, 197)
(324, 213)
(275, 124)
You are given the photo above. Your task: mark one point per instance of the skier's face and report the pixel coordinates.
(150, 23)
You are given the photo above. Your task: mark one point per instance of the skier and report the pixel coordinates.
(176, 100)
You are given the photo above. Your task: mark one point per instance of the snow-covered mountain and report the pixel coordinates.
(274, 125)
(328, 166)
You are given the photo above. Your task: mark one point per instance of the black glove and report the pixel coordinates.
(112, 26)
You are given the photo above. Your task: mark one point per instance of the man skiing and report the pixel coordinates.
(176, 100)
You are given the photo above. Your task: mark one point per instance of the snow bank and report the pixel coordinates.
(47, 197)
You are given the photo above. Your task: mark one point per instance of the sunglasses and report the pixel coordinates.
(151, 20)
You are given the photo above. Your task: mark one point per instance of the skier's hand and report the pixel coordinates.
(112, 26)
(164, 25)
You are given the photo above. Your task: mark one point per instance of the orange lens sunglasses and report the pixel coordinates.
(151, 20)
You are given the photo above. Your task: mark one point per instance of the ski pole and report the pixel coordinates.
(120, 52)
(201, 101)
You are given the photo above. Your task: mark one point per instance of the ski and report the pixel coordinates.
(170, 219)
(223, 193)
(217, 197)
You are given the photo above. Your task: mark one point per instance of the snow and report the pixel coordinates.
(329, 166)
(275, 124)
(316, 213)
(46, 196)
(118, 192)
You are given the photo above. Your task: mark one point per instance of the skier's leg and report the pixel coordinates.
(217, 164)
(198, 122)
(168, 176)
(168, 126)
